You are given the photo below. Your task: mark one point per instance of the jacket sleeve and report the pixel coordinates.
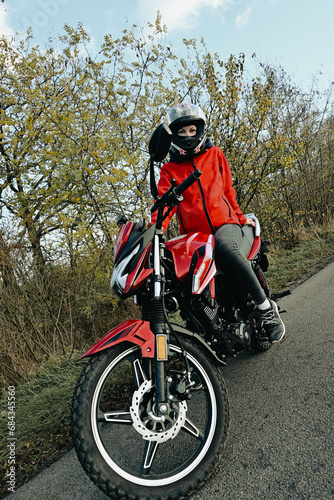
(163, 186)
(229, 191)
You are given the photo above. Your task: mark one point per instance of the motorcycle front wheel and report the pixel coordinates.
(126, 449)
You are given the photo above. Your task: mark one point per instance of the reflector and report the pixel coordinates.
(162, 347)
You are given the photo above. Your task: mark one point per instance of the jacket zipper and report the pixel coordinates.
(181, 222)
(203, 200)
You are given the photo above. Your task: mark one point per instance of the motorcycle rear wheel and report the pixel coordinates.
(124, 448)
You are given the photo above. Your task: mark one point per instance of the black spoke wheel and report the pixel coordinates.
(128, 449)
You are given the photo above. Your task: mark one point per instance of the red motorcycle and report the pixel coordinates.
(150, 412)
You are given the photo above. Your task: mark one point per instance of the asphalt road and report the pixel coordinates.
(281, 438)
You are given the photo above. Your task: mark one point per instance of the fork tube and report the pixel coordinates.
(158, 320)
(156, 267)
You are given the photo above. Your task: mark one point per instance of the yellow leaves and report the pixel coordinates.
(75, 129)
(183, 63)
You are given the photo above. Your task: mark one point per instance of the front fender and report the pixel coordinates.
(133, 331)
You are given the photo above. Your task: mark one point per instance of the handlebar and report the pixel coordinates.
(174, 194)
(187, 182)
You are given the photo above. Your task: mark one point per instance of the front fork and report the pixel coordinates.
(158, 324)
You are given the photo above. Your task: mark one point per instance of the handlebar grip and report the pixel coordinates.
(187, 182)
(174, 195)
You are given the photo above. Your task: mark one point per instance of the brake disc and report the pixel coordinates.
(156, 427)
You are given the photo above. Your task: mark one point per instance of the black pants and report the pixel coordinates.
(234, 264)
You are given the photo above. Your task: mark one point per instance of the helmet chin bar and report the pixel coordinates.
(192, 149)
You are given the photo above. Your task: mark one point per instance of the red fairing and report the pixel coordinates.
(139, 274)
(134, 331)
(205, 268)
(183, 248)
(255, 248)
(122, 238)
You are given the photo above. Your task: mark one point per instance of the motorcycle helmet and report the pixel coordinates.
(179, 116)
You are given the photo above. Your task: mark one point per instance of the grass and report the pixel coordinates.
(314, 250)
(42, 416)
(43, 403)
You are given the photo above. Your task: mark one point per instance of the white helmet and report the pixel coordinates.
(186, 114)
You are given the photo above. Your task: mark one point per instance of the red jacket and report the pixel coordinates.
(211, 201)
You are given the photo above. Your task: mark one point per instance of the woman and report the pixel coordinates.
(210, 205)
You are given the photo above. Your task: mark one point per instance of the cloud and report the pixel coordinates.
(242, 20)
(180, 15)
(5, 29)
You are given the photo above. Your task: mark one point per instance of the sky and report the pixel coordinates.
(295, 34)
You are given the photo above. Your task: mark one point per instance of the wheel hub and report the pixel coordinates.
(156, 427)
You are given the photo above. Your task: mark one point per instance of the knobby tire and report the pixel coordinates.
(106, 385)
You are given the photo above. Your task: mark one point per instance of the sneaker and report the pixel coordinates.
(272, 323)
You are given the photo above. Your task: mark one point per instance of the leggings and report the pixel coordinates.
(234, 264)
